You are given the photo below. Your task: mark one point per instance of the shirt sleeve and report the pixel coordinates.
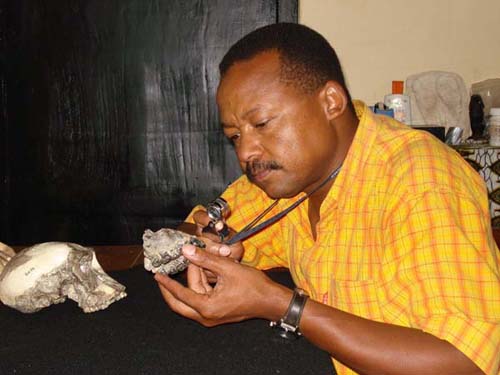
(263, 251)
(448, 272)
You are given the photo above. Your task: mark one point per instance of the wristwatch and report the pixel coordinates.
(288, 326)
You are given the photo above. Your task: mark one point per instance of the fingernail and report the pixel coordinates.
(224, 250)
(219, 225)
(188, 250)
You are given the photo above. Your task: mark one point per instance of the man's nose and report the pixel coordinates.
(249, 148)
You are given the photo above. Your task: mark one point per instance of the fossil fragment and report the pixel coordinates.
(163, 250)
(47, 273)
(6, 254)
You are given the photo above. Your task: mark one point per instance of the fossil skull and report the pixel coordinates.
(163, 250)
(47, 273)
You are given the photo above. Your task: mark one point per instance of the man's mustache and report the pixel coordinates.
(257, 167)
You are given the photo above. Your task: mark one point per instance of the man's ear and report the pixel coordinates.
(334, 99)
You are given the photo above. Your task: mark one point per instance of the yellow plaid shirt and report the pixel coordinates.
(404, 238)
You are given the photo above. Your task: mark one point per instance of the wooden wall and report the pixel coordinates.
(108, 117)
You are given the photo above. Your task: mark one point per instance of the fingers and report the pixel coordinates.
(201, 218)
(219, 226)
(218, 249)
(197, 279)
(224, 250)
(207, 229)
(236, 296)
(213, 248)
(205, 259)
(206, 280)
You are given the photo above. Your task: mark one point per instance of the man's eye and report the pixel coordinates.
(233, 138)
(261, 124)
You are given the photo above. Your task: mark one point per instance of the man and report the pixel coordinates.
(393, 244)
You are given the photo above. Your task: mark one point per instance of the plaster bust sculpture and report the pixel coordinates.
(163, 250)
(439, 99)
(47, 273)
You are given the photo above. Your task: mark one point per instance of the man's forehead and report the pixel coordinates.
(265, 64)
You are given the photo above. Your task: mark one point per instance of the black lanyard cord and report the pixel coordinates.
(248, 230)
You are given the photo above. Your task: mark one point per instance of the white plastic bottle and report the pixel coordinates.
(494, 127)
(399, 102)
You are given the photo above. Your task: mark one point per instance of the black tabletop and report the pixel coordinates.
(141, 335)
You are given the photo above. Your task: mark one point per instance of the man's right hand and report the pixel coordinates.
(240, 292)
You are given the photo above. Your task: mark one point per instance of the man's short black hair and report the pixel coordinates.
(308, 61)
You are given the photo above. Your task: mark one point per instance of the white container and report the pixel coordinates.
(494, 127)
(400, 103)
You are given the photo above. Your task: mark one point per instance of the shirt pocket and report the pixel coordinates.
(358, 297)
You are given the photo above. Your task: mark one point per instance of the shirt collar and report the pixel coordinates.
(354, 162)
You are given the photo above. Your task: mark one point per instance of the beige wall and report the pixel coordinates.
(381, 41)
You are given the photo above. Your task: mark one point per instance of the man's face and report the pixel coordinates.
(282, 137)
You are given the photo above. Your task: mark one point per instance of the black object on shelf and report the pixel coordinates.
(476, 114)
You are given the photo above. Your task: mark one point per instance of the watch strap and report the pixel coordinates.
(289, 324)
